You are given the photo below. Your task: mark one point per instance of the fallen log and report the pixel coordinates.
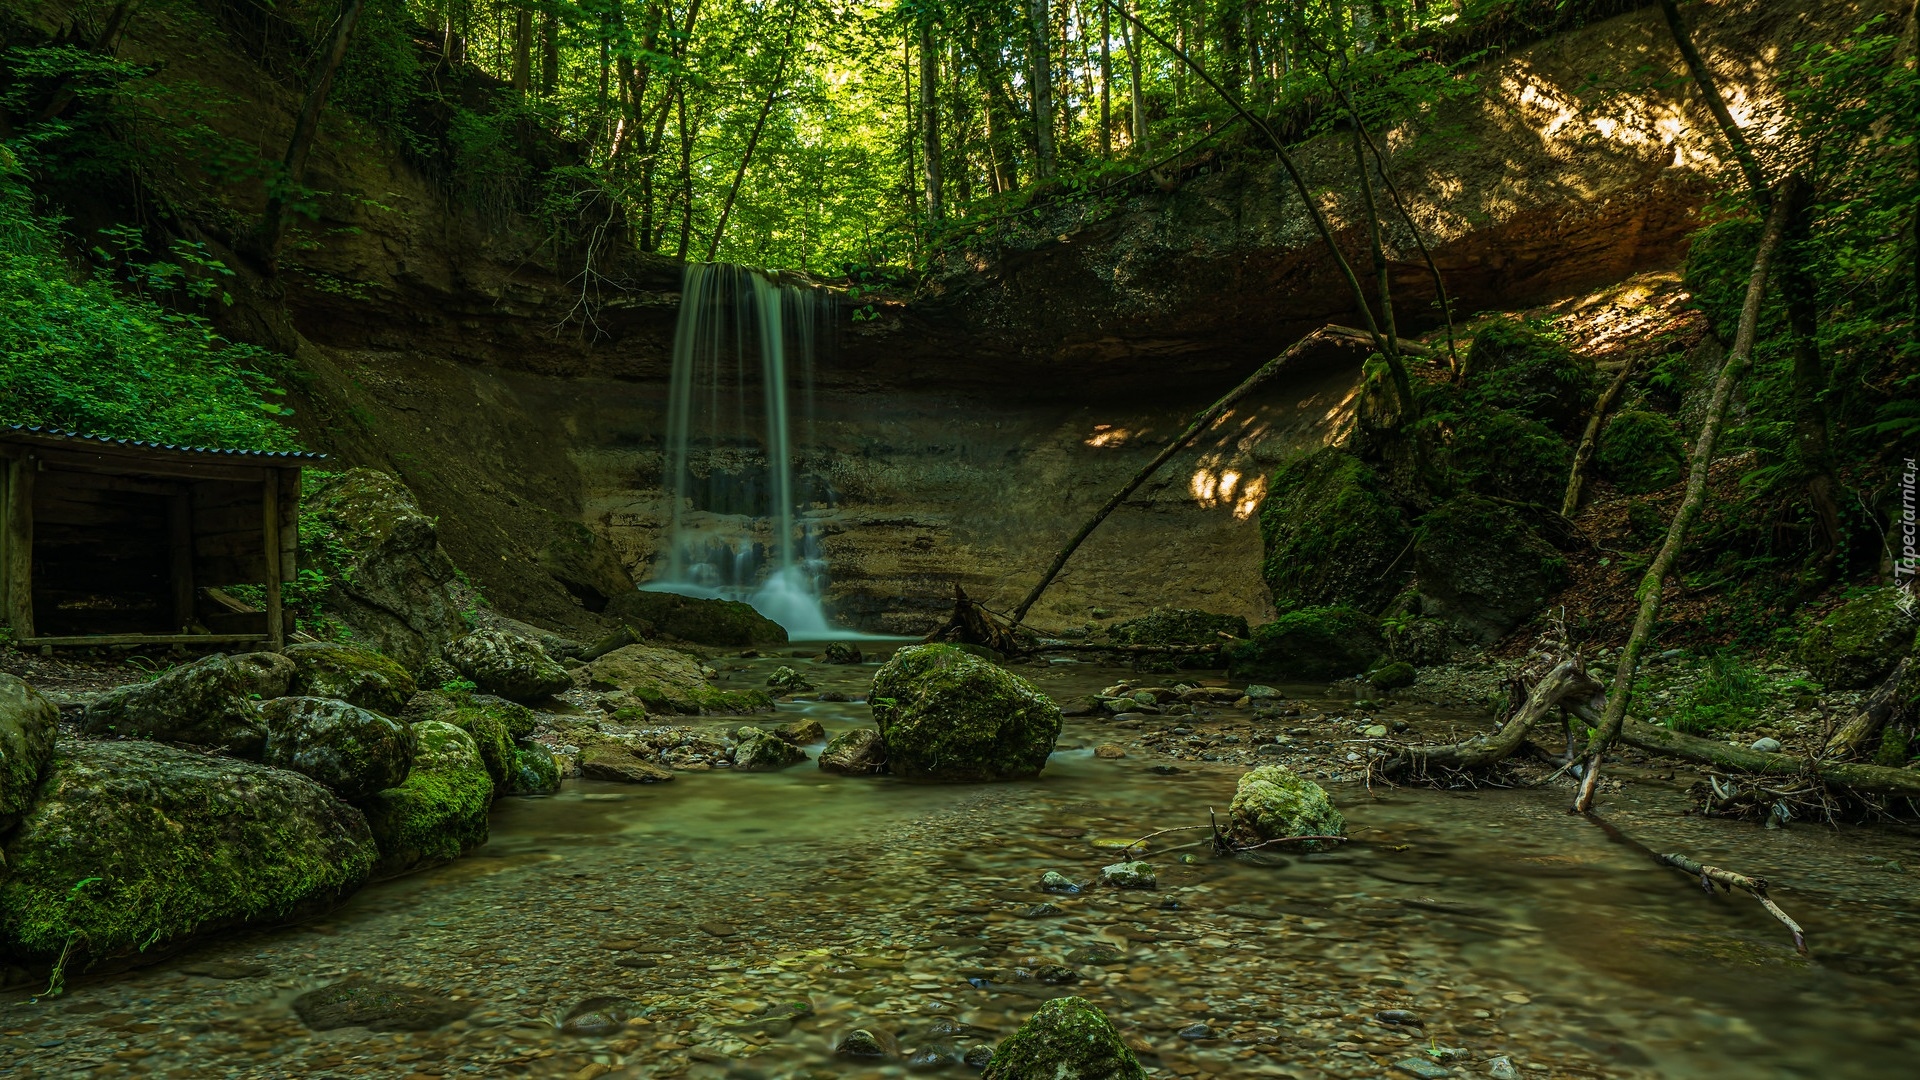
(1565, 684)
(1728, 881)
(1873, 715)
(1055, 645)
(1861, 779)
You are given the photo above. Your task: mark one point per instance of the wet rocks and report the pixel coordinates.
(760, 751)
(535, 771)
(1308, 644)
(860, 752)
(1109, 750)
(668, 681)
(947, 715)
(1765, 745)
(1271, 802)
(512, 667)
(210, 702)
(132, 845)
(865, 1044)
(1394, 675)
(492, 736)
(1330, 531)
(1129, 875)
(357, 676)
(1422, 1068)
(360, 1002)
(1481, 569)
(351, 750)
(611, 761)
(1054, 881)
(598, 1016)
(1858, 643)
(440, 811)
(695, 619)
(28, 724)
(840, 652)
(1067, 1039)
(786, 680)
(800, 732)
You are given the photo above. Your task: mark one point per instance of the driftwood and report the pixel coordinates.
(1591, 437)
(1566, 682)
(1728, 881)
(1848, 742)
(1859, 779)
(971, 623)
(1056, 645)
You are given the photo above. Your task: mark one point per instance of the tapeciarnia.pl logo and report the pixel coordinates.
(1906, 565)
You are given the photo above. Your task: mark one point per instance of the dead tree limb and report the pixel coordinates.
(1056, 645)
(1873, 715)
(1655, 580)
(1198, 424)
(1591, 437)
(1703, 78)
(1565, 684)
(1728, 881)
(1858, 779)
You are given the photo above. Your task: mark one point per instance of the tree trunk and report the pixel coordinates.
(1142, 142)
(930, 119)
(1106, 82)
(1874, 713)
(273, 227)
(1703, 78)
(1810, 382)
(1655, 580)
(1040, 86)
(1383, 283)
(686, 173)
(550, 53)
(1865, 779)
(1591, 436)
(1566, 682)
(522, 50)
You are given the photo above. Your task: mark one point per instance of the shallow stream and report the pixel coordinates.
(747, 922)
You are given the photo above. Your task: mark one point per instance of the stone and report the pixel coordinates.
(604, 1015)
(1054, 881)
(584, 563)
(535, 771)
(1640, 452)
(439, 812)
(1257, 692)
(860, 752)
(1501, 1068)
(1375, 731)
(1195, 1031)
(1129, 875)
(361, 1002)
(351, 750)
(947, 715)
(800, 732)
(1177, 626)
(1857, 644)
(1418, 640)
(1329, 531)
(357, 676)
(861, 1043)
(492, 730)
(29, 724)
(213, 701)
(388, 579)
(1422, 1068)
(1066, 1039)
(133, 846)
(512, 667)
(788, 681)
(1394, 675)
(840, 652)
(1512, 367)
(1481, 569)
(1310, 644)
(669, 681)
(1109, 750)
(1398, 1016)
(695, 620)
(760, 751)
(1272, 802)
(224, 970)
(1765, 745)
(612, 761)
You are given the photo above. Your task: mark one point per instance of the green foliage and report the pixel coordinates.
(1641, 452)
(1727, 696)
(1512, 456)
(1528, 370)
(1330, 533)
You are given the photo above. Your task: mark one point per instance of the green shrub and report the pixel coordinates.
(1330, 534)
(1641, 452)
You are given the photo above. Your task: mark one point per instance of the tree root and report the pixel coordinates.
(1564, 685)
(1874, 713)
(1857, 779)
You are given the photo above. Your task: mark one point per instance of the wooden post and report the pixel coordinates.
(18, 527)
(270, 514)
(180, 548)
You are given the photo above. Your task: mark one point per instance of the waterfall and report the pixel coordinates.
(735, 532)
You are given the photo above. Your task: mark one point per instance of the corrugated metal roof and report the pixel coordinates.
(139, 444)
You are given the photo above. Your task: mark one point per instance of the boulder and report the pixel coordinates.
(585, 564)
(1393, 675)
(491, 736)
(800, 732)
(695, 620)
(1271, 802)
(512, 667)
(1329, 533)
(535, 771)
(1859, 642)
(28, 725)
(761, 751)
(1067, 1039)
(1641, 452)
(388, 579)
(948, 715)
(841, 652)
(612, 761)
(785, 680)
(354, 675)
(134, 845)
(1308, 645)
(440, 811)
(351, 750)
(1512, 366)
(860, 752)
(669, 681)
(213, 701)
(1130, 875)
(1417, 639)
(1502, 453)
(1177, 626)
(1480, 569)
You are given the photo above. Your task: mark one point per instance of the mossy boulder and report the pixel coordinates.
(213, 701)
(695, 620)
(763, 751)
(1272, 802)
(354, 675)
(440, 811)
(1393, 675)
(841, 652)
(1515, 367)
(669, 681)
(860, 752)
(948, 715)
(492, 737)
(618, 763)
(1067, 1039)
(535, 771)
(1481, 569)
(1417, 639)
(133, 845)
(353, 751)
(1859, 642)
(1308, 645)
(512, 667)
(1504, 453)
(786, 680)
(1177, 626)
(1640, 452)
(1329, 533)
(388, 579)
(28, 725)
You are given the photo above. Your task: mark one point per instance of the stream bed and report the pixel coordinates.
(740, 925)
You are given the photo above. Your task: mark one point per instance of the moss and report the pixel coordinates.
(28, 724)
(1394, 675)
(1514, 367)
(1503, 453)
(761, 751)
(1640, 452)
(700, 621)
(1329, 533)
(440, 811)
(1480, 567)
(1310, 644)
(669, 681)
(512, 667)
(351, 750)
(948, 715)
(1068, 1038)
(1272, 802)
(535, 771)
(359, 677)
(1859, 642)
(1895, 748)
(133, 844)
(492, 738)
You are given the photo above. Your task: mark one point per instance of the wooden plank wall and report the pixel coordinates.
(101, 562)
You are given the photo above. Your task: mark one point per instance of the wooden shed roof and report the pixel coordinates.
(51, 437)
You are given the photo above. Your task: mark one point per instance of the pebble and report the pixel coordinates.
(719, 929)
(1422, 1068)
(1501, 1068)
(1054, 881)
(1196, 1031)
(1397, 1016)
(1766, 746)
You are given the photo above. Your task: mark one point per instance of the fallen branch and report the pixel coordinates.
(1860, 779)
(1565, 684)
(1873, 715)
(1728, 881)
(1591, 437)
(1054, 645)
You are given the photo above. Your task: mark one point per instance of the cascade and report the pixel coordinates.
(736, 533)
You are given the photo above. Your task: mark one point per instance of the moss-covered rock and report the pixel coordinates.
(134, 845)
(618, 763)
(786, 680)
(440, 811)
(948, 715)
(800, 732)
(1417, 639)
(1329, 533)
(1271, 802)
(492, 738)
(213, 701)
(1640, 451)
(669, 681)
(1177, 626)
(535, 771)
(512, 667)
(694, 620)
(28, 724)
(1481, 569)
(354, 675)
(1067, 1039)
(1393, 675)
(1515, 367)
(353, 751)
(388, 579)
(762, 751)
(1503, 453)
(860, 752)
(1311, 644)
(1859, 642)
(841, 652)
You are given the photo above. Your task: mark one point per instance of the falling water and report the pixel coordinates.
(735, 533)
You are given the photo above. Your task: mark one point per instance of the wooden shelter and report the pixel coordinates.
(119, 542)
